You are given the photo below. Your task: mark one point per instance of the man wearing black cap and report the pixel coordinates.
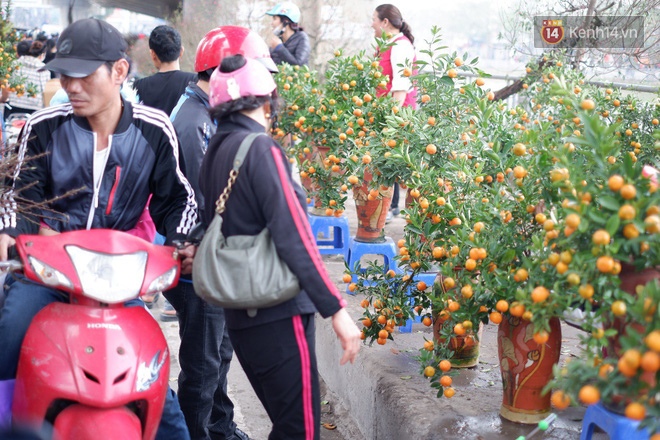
(118, 153)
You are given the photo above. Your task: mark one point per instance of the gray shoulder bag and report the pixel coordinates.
(241, 271)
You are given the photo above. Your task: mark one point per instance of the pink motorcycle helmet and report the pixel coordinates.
(253, 79)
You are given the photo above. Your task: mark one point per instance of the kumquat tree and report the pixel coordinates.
(529, 215)
(11, 79)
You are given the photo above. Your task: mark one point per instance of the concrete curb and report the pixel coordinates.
(387, 398)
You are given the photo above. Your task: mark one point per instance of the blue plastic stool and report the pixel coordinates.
(340, 233)
(616, 426)
(358, 249)
(428, 278)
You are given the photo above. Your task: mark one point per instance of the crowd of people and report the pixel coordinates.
(32, 55)
(155, 160)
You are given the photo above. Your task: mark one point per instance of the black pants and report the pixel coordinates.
(395, 196)
(279, 359)
(204, 355)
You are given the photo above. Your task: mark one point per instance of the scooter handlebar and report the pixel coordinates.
(13, 263)
(12, 253)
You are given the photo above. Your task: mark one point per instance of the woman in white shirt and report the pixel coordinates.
(387, 18)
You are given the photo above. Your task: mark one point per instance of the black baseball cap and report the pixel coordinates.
(84, 45)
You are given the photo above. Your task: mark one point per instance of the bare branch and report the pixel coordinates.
(29, 209)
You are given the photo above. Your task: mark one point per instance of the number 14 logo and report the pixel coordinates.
(552, 31)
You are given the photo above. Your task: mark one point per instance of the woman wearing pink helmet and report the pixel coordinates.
(275, 347)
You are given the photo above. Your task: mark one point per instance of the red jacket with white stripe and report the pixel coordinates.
(56, 149)
(266, 196)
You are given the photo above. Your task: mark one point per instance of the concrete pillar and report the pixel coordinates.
(79, 9)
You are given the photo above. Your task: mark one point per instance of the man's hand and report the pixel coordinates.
(274, 41)
(5, 242)
(348, 334)
(187, 255)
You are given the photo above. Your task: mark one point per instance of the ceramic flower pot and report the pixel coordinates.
(630, 280)
(526, 369)
(465, 347)
(371, 211)
(316, 157)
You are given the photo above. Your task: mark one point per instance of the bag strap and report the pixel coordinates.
(233, 174)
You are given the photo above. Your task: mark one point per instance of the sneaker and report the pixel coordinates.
(240, 435)
(168, 313)
(395, 211)
(389, 217)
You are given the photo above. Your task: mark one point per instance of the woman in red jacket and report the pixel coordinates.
(387, 18)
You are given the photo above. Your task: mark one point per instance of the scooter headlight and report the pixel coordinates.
(163, 282)
(48, 275)
(109, 278)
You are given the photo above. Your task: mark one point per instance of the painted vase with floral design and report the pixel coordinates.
(526, 368)
(371, 204)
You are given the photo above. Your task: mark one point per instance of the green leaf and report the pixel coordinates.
(508, 256)
(406, 377)
(613, 224)
(447, 81)
(609, 203)
(596, 217)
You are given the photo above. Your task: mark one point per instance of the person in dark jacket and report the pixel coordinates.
(163, 89)
(276, 346)
(116, 154)
(205, 352)
(289, 43)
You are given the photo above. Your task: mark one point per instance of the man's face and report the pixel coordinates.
(95, 93)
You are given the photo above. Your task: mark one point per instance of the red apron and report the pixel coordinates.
(385, 61)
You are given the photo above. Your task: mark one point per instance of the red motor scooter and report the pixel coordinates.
(93, 368)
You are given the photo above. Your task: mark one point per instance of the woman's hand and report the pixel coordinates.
(348, 334)
(274, 41)
(400, 96)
